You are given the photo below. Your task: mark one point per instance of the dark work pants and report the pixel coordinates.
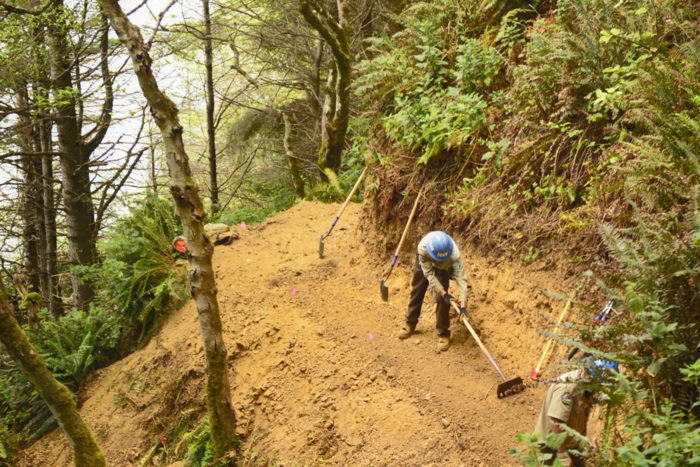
(419, 285)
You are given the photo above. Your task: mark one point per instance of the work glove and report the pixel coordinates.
(447, 297)
(463, 311)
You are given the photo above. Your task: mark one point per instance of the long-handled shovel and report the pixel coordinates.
(507, 387)
(535, 373)
(352, 192)
(383, 289)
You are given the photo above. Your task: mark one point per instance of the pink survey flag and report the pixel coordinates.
(294, 291)
(370, 336)
(242, 225)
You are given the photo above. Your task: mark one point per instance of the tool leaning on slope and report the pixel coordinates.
(437, 259)
(342, 208)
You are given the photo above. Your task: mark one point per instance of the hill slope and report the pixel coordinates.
(308, 382)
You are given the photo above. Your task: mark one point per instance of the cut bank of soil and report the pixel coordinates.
(316, 370)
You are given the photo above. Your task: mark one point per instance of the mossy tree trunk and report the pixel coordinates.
(292, 157)
(190, 210)
(57, 397)
(336, 110)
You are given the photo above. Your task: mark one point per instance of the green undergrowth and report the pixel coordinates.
(138, 282)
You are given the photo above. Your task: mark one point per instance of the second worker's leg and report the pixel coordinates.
(442, 309)
(419, 284)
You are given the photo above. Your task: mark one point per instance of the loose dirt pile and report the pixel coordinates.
(316, 370)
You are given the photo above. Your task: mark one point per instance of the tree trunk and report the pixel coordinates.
(292, 158)
(57, 397)
(30, 199)
(336, 112)
(189, 209)
(54, 303)
(211, 130)
(315, 95)
(31, 205)
(77, 198)
(39, 219)
(42, 144)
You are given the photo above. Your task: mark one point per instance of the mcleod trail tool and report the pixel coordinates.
(507, 387)
(383, 289)
(599, 320)
(352, 192)
(535, 373)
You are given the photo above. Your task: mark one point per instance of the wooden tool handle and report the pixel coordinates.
(410, 217)
(551, 339)
(352, 192)
(478, 341)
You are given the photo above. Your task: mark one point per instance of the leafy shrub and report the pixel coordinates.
(77, 343)
(435, 87)
(199, 450)
(139, 277)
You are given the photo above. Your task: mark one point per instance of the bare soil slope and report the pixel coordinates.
(316, 369)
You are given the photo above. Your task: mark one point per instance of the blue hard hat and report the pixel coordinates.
(439, 245)
(600, 369)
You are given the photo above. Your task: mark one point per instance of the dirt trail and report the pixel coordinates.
(309, 384)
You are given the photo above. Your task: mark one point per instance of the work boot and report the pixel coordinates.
(443, 343)
(406, 331)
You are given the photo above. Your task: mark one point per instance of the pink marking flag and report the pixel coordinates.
(370, 336)
(242, 225)
(294, 291)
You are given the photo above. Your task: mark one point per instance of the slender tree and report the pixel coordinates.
(211, 129)
(190, 210)
(86, 452)
(292, 158)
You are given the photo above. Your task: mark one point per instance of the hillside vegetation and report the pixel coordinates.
(566, 127)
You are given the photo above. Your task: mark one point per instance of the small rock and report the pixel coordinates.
(445, 422)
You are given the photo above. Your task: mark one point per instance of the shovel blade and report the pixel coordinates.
(510, 387)
(320, 248)
(384, 291)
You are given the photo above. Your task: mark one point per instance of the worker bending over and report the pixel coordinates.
(437, 261)
(568, 402)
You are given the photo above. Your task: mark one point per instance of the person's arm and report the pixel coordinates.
(429, 272)
(460, 275)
